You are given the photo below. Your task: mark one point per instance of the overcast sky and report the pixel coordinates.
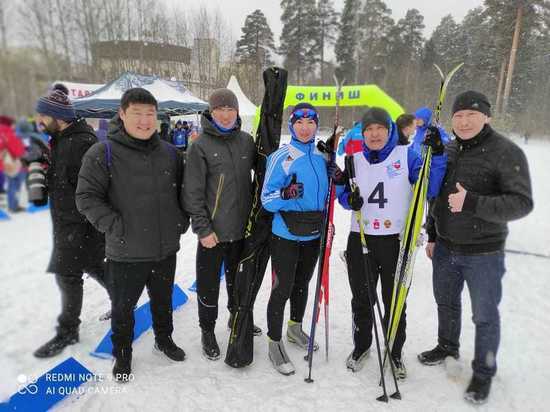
(432, 10)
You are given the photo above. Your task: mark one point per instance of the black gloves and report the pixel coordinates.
(293, 191)
(355, 200)
(338, 176)
(433, 139)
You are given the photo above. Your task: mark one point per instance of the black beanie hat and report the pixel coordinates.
(223, 98)
(472, 100)
(375, 115)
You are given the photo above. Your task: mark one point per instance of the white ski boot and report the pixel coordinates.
(279, 358)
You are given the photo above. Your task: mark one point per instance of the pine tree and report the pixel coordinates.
(376, 25)
(256, 42)
(298, 37)
(405, 54)
(254, 51)
(327, 27)
(346, 44)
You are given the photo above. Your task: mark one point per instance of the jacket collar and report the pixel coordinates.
(476, 140)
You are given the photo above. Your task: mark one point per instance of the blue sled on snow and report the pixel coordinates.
(143, 322)
(193, 287)
(50, 388)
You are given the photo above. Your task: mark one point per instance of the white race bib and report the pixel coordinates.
(386, 192)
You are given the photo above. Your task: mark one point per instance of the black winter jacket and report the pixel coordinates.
(495, 173)
(135, 199)
(78, 246)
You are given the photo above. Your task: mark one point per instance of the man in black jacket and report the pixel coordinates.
(218, 197)
(128, 188)
(487, 184)
(77, 247)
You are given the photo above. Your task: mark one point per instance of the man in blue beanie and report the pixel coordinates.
(77, 247)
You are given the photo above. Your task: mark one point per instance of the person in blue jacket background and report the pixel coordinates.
(385, 173)
(423, 122)
(295, 191)
(179, 136)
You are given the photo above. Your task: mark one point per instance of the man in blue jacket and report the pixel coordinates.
(423, 122)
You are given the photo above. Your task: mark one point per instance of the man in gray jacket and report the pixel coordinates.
(218, 195)
(128, 188)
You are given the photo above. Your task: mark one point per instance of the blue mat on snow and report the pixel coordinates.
(33, 209)
(56, 384)
(193, 287)
(143, 322)
(4, 215)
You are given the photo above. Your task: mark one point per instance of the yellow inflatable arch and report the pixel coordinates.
(350, 96)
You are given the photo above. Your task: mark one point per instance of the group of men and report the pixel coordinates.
(120, 206)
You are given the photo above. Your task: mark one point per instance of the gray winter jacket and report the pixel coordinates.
(135, 199)
(217, 191)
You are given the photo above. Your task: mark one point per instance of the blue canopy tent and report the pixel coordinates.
(105, 101)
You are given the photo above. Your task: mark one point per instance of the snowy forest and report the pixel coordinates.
(505, 45)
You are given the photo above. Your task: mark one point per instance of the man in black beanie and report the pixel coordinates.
(77, 247)
(486, 185)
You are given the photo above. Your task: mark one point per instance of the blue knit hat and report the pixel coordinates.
(57, 105)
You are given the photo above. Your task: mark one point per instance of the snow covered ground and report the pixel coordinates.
(30, 304)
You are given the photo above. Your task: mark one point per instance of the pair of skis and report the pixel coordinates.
(327, 235)
(412, 237)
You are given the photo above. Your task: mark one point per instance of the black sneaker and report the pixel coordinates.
(56, 345)
(122, 370)
(256, 330)
(170, 349)
(210, 347)
(478, 390)
(436, 356)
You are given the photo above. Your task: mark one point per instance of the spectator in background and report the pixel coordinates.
(405, 127)
(165, 131)
(11, 151)
(179, 136)
(423, 122)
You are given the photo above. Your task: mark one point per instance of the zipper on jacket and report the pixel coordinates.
(316, 176)
(218, 195)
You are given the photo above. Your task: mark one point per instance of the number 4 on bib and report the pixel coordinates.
(377, 196)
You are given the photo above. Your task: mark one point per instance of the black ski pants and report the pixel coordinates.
(383, 253)
(209, 262)
(293, 263)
